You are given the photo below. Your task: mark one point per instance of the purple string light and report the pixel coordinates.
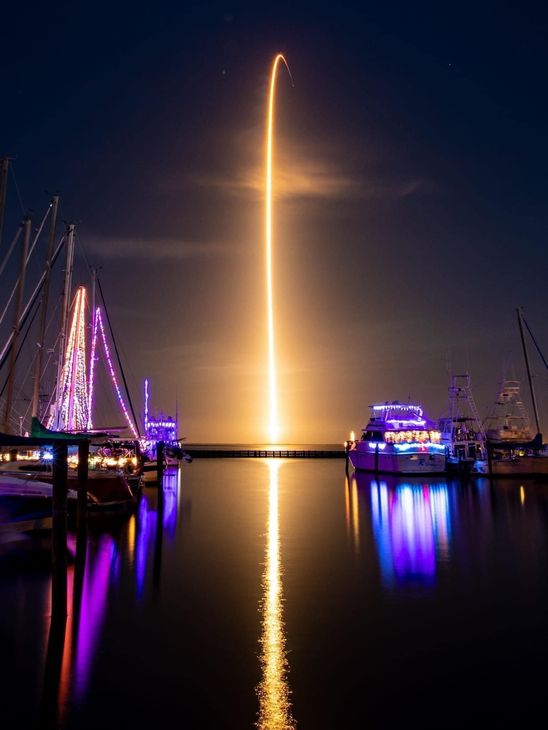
(99, 320)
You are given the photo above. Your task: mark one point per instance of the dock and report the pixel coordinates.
(270, 453)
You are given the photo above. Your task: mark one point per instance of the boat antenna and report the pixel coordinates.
(529, 377)
(135, 421)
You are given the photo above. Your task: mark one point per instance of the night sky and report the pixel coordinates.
(412, 207)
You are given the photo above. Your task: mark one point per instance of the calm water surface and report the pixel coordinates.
(282, 594)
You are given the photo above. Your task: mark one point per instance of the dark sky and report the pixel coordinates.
(412, 210)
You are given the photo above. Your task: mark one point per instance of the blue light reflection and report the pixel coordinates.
(412, 530)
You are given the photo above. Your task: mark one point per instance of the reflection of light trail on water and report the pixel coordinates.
(273, 691)
(352, 511)
(274, 426)
(411, 525)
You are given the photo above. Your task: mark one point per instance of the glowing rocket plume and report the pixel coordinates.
(274, 426)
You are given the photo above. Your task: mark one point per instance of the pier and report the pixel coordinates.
(218, 452)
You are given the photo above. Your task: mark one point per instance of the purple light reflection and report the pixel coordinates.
(411, 525)
(99, 566)
(145, 537)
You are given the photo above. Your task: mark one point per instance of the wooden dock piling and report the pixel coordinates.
(59, 529)
(83, 469)
(160, 464)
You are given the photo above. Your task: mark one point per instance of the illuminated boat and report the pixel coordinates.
(160, 428)
(398, 439)
(107, 485)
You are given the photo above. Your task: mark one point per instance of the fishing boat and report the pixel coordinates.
(462, 432)
(160, 428)
(512, 449)
(398, 439)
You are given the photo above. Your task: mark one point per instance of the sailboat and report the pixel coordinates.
(70, 405)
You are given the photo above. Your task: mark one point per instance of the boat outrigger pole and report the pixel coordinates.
(529, 376)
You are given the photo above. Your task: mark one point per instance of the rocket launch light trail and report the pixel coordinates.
(273, 396)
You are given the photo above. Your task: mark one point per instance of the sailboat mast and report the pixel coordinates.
(3, 185)
(64, 316)
(44, 310)
(16, 322)
(529, 377)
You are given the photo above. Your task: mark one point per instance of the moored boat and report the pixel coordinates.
(511, 448)
(26, 504)
(107, 488)
(398, 439)
(462, 433)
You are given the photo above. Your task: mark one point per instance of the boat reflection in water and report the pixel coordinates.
(411, 526)
(273, 691)
(157, 512)
(73, 641)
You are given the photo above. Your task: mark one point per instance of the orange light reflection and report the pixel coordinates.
(273, 691)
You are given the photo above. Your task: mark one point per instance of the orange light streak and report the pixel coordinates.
(273, 395)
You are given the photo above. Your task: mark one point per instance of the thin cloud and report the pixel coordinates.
(303, 171)
(167, 249)
(312, 178)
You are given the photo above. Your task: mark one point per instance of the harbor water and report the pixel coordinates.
(287, 594)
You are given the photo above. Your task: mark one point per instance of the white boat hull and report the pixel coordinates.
(520, 466)
(397, 463)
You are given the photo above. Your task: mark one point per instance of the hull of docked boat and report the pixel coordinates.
(106, 490)
(391, 463)
(533, 465)
(26, 505)
(150, 471)
(510, 458)
(464, 452)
